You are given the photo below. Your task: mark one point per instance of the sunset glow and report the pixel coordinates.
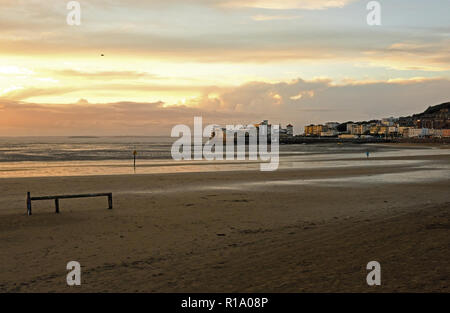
(220, 57)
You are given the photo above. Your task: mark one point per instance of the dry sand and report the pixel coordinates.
(228, 232)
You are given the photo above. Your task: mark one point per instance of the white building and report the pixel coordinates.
(353, 129)
(435, 132)
(290, 130)
(390, 121)
(332, 125)
(392, 129)
(418, 132)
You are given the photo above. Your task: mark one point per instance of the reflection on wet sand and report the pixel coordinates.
(322, 159)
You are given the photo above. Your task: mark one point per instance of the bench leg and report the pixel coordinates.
(57, 206)
(110, 202)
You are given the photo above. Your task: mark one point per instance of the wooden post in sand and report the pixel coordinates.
(28, 204)
(110, 201)
(57, 205)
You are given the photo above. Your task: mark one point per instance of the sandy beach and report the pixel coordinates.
(225, 148)
(299, 229)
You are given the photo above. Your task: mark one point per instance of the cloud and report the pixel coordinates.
(302, 102)
(413, 55)
(299, 102)
(26, 93)
(260, 96)
(83, 118)
(263, 17)
(22, 93)
(15, 70)
(105, 74)
(287, 4)
(237, 44)
(204, 34)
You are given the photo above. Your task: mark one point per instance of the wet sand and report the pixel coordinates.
(293, 230)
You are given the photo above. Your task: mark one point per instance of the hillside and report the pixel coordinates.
(434, 117)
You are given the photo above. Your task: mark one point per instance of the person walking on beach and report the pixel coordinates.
(367, 154)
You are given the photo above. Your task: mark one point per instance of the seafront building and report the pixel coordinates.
(221, 132)
(354, 131)
(315, 130)
(433, 123)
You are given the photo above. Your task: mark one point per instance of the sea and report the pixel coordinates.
(83, 156)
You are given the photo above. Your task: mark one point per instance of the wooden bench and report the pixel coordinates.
(57, 198)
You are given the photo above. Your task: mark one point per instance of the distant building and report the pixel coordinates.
(348, 136)
(290, 130)
(245, 131)
(437, 133)
(282, 132)
(418, 132)
(329, 133)
(434, 122)
(268, 128)
(352, 128)
(314, 130)
(358, 129)
(434, 119)
(332, 125)
(401, 130)
(383, 130)
(374, 130)
(390, 121)
(392, 130)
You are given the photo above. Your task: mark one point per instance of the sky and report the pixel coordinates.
(229, 61)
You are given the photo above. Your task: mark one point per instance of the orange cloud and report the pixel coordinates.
(279, 102)
(105, 74)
